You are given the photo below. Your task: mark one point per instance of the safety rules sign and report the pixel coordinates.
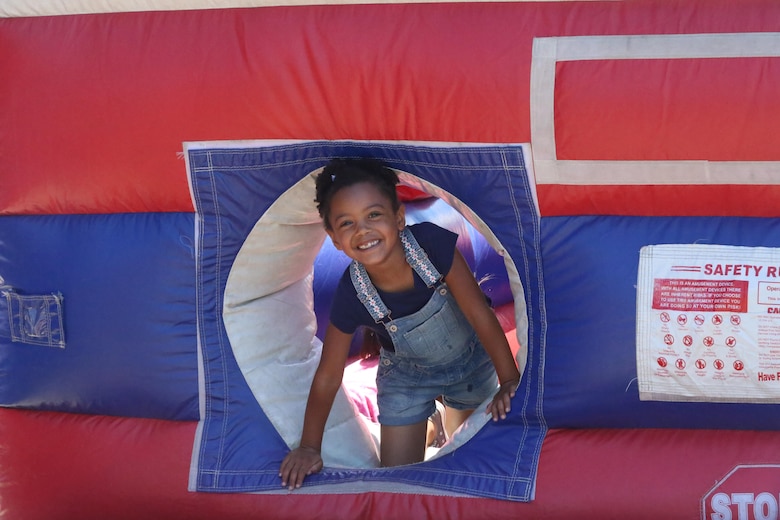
(708, 323)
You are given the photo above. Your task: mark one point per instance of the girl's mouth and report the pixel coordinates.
(368, 245)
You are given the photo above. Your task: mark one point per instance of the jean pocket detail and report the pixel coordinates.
(34, 319)
(437, 340)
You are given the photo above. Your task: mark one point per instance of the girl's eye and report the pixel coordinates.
(374, 214)
(345, 223)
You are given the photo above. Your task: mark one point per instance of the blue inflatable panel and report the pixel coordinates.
(590, 270)
(128, 308)
(238, 449)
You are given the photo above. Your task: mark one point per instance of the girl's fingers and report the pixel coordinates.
(500, 406)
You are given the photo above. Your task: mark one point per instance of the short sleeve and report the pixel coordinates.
(346, 309)
(438, 243)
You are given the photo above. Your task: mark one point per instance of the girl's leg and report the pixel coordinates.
(454, 418)
(437, 434)
(403, 444)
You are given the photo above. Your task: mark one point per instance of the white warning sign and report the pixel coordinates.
(708, 323)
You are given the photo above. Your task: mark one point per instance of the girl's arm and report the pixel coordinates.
(472, 302)
(305, 459)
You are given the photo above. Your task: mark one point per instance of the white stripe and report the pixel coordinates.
(658, 172)
(20, 8)
(666, 46)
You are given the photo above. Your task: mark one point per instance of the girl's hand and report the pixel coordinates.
(502, 401)
(299, 463)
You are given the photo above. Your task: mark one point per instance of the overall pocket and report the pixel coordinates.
(439, 339)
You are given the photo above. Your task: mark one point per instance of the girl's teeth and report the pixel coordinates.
(370, 244)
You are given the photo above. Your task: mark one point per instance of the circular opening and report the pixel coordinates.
(271, 324)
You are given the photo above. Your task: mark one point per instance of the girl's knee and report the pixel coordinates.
(403, 444)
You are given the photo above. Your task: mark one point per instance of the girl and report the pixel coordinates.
(411, 285)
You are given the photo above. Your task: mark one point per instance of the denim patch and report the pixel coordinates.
(35, 319)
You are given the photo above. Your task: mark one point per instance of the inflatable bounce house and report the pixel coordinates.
(612, 169)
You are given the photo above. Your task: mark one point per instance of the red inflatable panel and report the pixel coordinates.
(62, 466)
(94, 108)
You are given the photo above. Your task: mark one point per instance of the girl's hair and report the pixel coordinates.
(340, 173)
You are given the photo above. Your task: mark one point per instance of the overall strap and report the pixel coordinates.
(417, 259)
(366, 293)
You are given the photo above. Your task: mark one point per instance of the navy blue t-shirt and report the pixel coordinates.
(347, 313)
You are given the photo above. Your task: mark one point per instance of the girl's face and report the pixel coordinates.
(364, 225)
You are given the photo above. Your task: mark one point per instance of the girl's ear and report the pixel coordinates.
(400, 216)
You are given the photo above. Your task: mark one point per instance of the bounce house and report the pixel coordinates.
(612, 169)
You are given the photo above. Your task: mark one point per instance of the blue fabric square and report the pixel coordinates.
(237, 448)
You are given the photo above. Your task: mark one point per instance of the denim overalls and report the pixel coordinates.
(437, 352)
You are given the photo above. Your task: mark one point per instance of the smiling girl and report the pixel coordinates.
(439, 337)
